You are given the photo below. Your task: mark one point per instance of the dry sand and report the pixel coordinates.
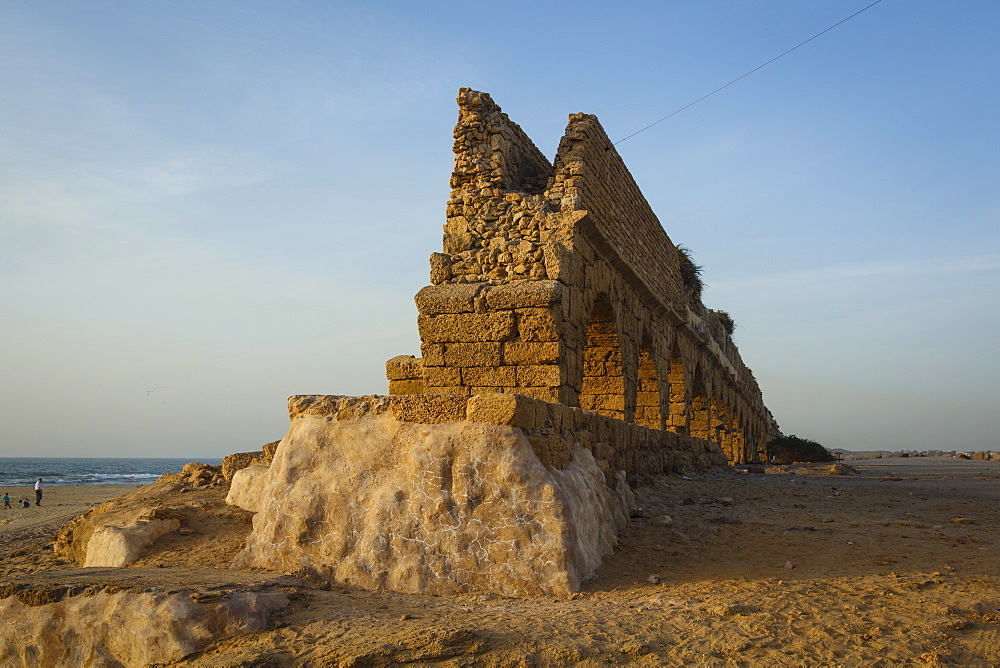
(896, 564)
(26, 533)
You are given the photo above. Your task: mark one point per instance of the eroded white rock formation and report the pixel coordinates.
(118, 546)
(126, 628)
(247, 487)
(363, 497)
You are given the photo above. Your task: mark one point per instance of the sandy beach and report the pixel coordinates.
(27, 533)
(886, 562)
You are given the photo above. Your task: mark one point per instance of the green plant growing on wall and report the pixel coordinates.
(690, 272)
(727, 321)
(792, 449)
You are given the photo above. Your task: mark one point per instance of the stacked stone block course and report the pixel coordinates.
(552, 429)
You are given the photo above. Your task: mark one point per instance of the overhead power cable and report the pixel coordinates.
(744, 76)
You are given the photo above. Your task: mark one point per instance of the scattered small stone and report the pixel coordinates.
(724, 500)
(186, 531)
(665, 520)
(789, 565)
(962, 520)
(689, 501)
(405, 616)
(653, 579)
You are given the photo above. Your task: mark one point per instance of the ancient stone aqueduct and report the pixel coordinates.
(558, 282)
(566, 356)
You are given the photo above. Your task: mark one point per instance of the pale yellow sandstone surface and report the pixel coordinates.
(431, 508)
(126, 628)
(247, 487)
(117, 546)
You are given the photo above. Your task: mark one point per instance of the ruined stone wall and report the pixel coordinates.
(558, 282)
(562, 358)
(446, 494)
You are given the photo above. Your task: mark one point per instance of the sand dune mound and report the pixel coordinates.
(181, 521)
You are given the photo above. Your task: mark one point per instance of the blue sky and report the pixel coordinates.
(208, 207)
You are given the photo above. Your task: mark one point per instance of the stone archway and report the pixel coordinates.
(647, 401)
(603, 389)
(701, 408)
(678, 418)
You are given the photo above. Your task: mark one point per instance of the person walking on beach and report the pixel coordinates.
(38, 492)
(6, 501)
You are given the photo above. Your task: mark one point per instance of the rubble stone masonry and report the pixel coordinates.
(563, 360)
(557, 282)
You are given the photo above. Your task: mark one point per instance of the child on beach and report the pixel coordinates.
(25, 503)
(6, 501)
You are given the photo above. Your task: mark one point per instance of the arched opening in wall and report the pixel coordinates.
(603, 389)
(677, 406)
(726, 432)
(647, 397)
(740, 438)
(716, 432)
(701, 408)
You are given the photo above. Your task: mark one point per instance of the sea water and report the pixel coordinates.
(24, 471)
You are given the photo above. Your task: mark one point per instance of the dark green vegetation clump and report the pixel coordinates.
(792, 449)
(690, 272)
(727, 321)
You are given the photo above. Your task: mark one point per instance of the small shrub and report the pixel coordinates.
(792, 449)
(727, 321)
(690, 272)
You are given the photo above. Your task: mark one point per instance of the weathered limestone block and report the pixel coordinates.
(442, 376)
(513, 410)
(490, 376)
(486, 353)
(446, 508)
(406, 386)
(429, 409)
(404, 367)
(236, 461)
(440, 268)
(537, 324)
(433, 354)
(540, 375)
(126, 628)
(524, 294)
(518, 353)
(449, 298)
(118, 546)
(246, 487)
(466, 327)
(604, 385)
